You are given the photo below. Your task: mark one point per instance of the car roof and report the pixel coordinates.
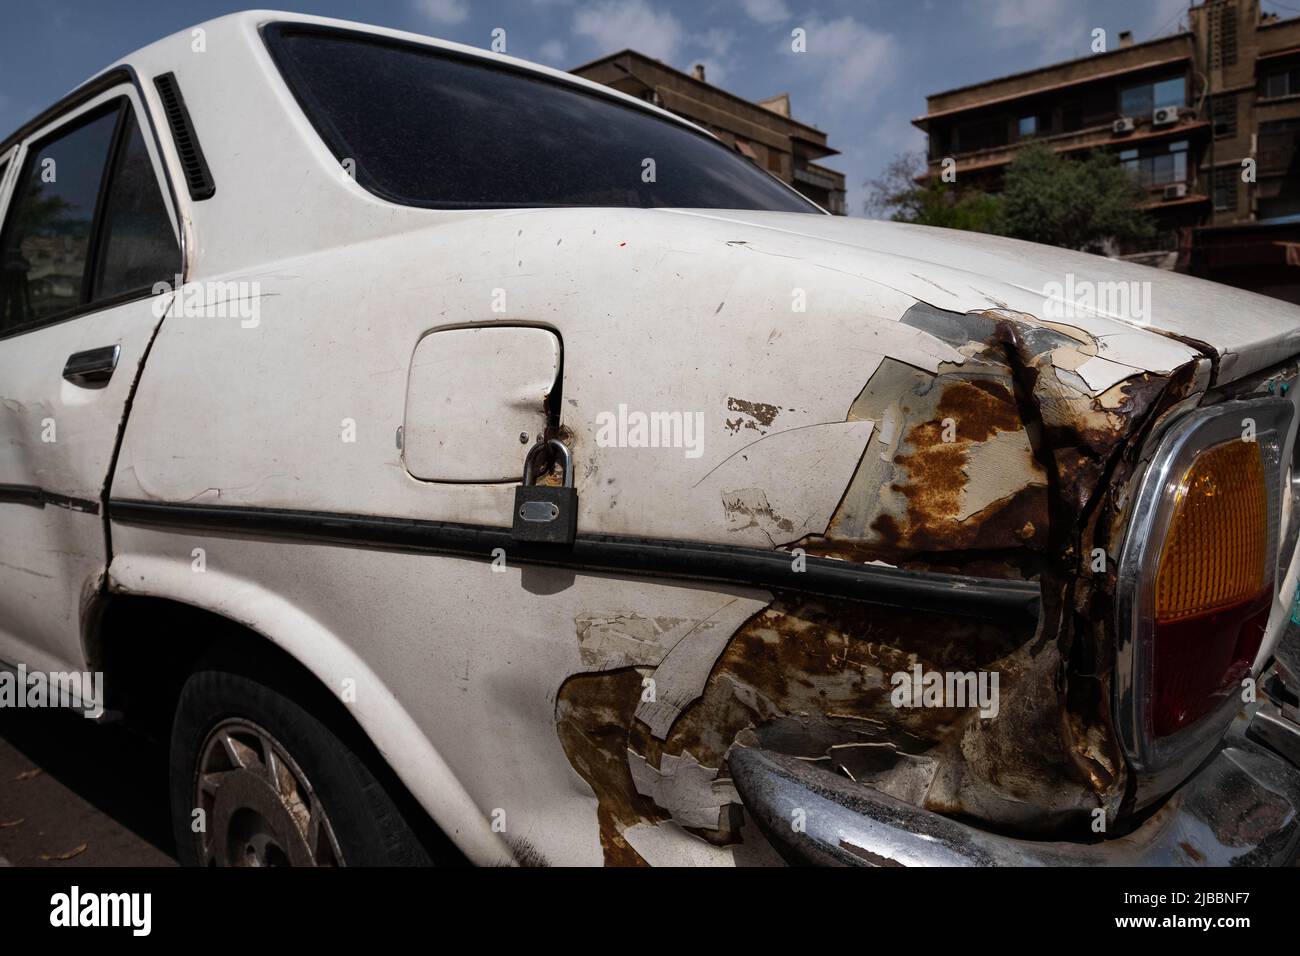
(159, 56)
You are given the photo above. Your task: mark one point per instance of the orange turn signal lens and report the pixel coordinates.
(1216, 550)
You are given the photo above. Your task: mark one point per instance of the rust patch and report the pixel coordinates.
(812, 678)
(756, 416)
(1193, 854)
(803, 676)
(875, 859)
(938, 474)
(1018, 521)
(963, 475)
(979, 408)
(593, 714)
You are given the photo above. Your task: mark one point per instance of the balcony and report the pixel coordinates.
(1092, 137)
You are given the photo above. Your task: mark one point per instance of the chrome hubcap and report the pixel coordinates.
(258, 806)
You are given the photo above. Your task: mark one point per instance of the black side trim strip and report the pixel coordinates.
(943, 593)
(38, 498)
(22, 495)
(197, 175)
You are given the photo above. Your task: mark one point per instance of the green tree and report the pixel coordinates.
(896, 194)
(1087, 203)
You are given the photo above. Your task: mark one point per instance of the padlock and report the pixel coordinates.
(543, 513)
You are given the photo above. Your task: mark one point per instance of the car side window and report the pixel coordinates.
(47, 232)
(138, 246)
(87, 222)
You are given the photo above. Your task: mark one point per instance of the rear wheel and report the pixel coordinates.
(260, 808)
(267, 769)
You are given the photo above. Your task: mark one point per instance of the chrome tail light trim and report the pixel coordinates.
(1166, 761)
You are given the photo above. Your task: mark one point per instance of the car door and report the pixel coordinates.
(89, 229)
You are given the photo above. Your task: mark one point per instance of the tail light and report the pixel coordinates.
(1196, 578)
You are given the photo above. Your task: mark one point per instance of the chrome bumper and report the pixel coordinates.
(1242, 808)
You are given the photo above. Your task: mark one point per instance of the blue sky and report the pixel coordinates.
(868, 67)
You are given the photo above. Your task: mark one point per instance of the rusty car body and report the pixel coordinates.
(918, 452)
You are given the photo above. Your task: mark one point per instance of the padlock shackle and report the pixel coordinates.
(558, 448)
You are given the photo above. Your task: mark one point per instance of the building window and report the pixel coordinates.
(1034, 124)
(1225, 189)
(1277, 151)
(985, 135)
(1223, 113)
(1282, 83)
(1156, 166)
(1145, 99)
(940, 142)
(1279, 162)
(1072, 117)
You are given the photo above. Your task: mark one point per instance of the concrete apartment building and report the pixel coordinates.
(765, 132)
(1182, 112)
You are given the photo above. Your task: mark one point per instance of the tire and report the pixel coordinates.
(324, 797)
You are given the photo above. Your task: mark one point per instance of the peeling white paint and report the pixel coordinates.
(667, 844)
(690, 792)
(1100, 373)
(679, 680)
(1004, 461)
(785, 486)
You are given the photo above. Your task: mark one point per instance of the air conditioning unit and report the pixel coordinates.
(1165, 116)
(1124, 124)
(1176, 191)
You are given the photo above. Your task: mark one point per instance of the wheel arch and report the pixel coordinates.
(130, 633)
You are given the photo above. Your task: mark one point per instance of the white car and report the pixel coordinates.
(456, 459)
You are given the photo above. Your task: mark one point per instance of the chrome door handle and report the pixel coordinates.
(92, 368)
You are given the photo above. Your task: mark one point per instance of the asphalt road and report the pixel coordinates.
(74, 793)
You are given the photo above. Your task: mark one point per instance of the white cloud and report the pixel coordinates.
(853, 61)
(617, 24)
(1053, 28)
(766, 11)
(442, 11)
(716, 41)
(552, 52)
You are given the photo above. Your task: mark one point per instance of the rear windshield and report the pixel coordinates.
(428, 128)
